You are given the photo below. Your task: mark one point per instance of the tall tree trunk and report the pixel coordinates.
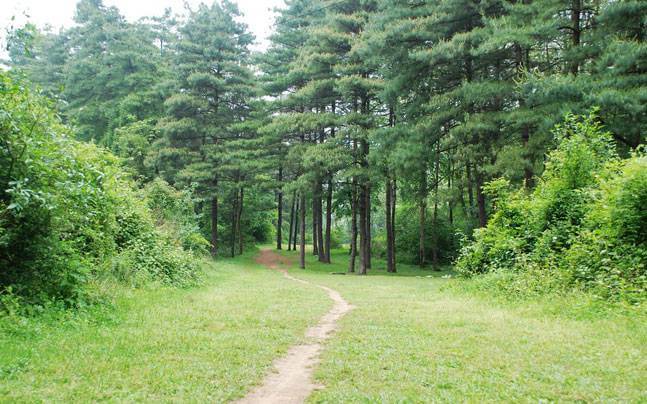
(389, 212)
(364, 206)
(394, 201)
(362, 230)
(241, 238)
(214, 226)
(480, 197)
(302, 251)
(450, 200)
(576, 32)
(434, 251)
(389, 224)
(296, 222)
(315, 222)
(279, 224)
(328, 218)
(470, 188)
(321, 252)
(234, 212)
(369, 238)
(292, 224)
(422, 218)
(353, 226)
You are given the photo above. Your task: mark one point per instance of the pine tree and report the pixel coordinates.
(213, 92)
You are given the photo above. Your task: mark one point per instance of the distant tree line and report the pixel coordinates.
(372, 122)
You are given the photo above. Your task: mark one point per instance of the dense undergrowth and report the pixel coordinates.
(72, 220)
(584, 227)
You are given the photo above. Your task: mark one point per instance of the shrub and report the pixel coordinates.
(174, 214)
(67, 209)
(583, 226)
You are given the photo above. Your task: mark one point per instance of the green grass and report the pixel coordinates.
(207, 344)
(414, 339)
(416, 336)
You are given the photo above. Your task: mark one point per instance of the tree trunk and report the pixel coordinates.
(362, 230)
(450, 200)
(296, 222)
(214, 226)
(279, 224)
(422, 219)
(328, 219)
(364, 205)
(480, 197)
(292, 224)
(353, 227)
(434, 251)
(389, 224)
(302, 251)
(470, 188)
(394, 202)
(321, 252)
(315, 222)
(241, 239)
(576, 32)
(389, 212)
(234, 211)
(369, 237)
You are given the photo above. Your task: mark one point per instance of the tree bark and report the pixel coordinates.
(422, 218)
(362, 230)
(394, 202)
(241, 238)
(296, 222)
(214, 226)
(450, 200)
(353, 227)
(434, 251)
(369, 238)
(576, 32)
(470, 188)
(389, 212)
(234, 211)
(389, 225)
(321, 252)
(279, 225)
(315, 243)
(328, 219)
(302, 251)
(480, 197)
(292, 224)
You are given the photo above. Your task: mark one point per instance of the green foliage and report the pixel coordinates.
(174, 214)
(67, 208)
(611, 251)
(583, 226)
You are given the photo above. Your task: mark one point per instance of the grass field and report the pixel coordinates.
(200, 345)
(413, 339)
(416, 336)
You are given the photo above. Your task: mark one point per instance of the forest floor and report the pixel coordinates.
(415, 336)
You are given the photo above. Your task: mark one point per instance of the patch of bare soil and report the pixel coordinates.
(291, 380)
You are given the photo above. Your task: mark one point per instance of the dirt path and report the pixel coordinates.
(291, 381)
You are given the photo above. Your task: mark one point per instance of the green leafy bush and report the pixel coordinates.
(583, 226)
(67, 209)
(174, 214)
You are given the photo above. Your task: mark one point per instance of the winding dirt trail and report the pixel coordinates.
(291, 381)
